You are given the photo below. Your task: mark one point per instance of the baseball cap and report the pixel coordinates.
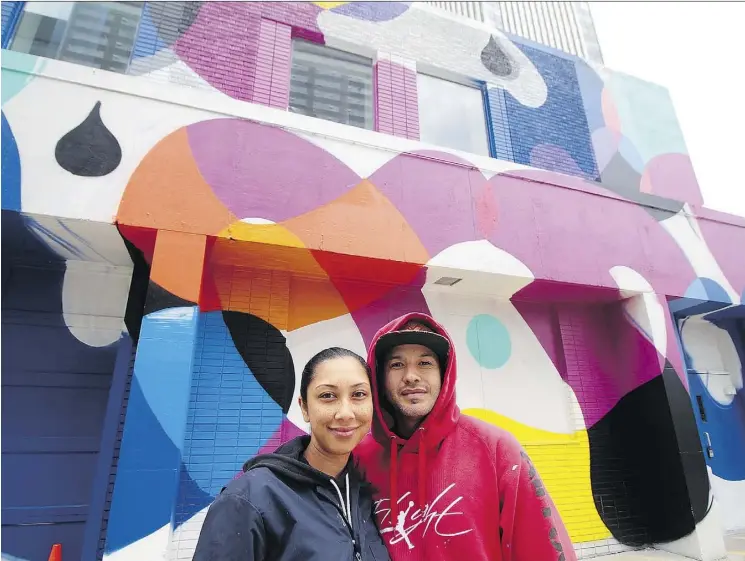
(415, 332)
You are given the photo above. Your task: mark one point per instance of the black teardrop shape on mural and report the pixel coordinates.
(89, 150)
(264, 350)
(495, 59)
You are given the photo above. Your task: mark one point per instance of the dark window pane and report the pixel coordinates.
(452, 115)
(97, 34)
(331, 85)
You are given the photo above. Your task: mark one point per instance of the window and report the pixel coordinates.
(452, 115)
(97, 34)
(331, 85)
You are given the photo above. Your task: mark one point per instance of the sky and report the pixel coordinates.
(696, 50)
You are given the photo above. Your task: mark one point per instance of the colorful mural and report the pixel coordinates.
(258, 245)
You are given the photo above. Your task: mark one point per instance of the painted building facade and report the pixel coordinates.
(181, 235)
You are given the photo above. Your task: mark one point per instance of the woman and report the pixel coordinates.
(306, 501)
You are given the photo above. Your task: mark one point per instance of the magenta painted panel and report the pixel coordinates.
(271, 85)
(208, 45)
(397, 110)
(280, 96)
(562, 234)
(264, 62)
(435, 193)
(606, 356)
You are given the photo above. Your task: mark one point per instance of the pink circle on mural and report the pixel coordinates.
(610, 112)
(671, 176)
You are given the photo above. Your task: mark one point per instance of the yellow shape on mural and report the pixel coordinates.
(274, 234)
(563, 462)
(329, 5)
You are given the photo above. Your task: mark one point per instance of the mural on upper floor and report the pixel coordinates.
(548, 110)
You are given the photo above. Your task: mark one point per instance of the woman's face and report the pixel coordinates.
(339, 406)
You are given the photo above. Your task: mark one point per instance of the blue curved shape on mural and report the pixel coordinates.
(726, 427)
(564, 107)
(137, 483)
(191, 499)
(147, 481)
(704, 295)
(11, 169)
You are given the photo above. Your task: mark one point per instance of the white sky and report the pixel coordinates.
(697, 51)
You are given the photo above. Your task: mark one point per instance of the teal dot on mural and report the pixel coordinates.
(489, 341)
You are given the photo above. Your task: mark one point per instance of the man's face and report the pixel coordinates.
(412, 381)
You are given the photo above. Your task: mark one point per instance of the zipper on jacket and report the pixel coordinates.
(355, 545)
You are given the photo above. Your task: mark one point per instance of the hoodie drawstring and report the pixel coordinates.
(393, 474)
(422, 471)
(421, 477)
(345, 508)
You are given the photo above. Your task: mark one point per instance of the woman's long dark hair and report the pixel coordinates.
(327, 354)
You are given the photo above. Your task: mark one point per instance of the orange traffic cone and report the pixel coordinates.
(56, 554)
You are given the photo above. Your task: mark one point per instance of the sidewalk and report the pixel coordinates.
(735, 544)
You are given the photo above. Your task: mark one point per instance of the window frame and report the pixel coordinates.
(347, 55)
(460, 80)
(17, 16)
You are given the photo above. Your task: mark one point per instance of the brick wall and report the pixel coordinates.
(544, 136)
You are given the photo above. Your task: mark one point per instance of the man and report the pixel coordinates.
(449, 487)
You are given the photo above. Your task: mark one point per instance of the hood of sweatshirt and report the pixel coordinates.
(440, 422)
(444, 415)
(288, 463)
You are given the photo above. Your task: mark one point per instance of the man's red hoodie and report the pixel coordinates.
(459, 489)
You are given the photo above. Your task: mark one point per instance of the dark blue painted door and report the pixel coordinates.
(54, 396)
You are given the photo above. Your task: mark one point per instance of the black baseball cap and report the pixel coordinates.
(433, 341)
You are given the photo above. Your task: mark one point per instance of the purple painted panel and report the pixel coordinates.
(245, 164)
(435, 192)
